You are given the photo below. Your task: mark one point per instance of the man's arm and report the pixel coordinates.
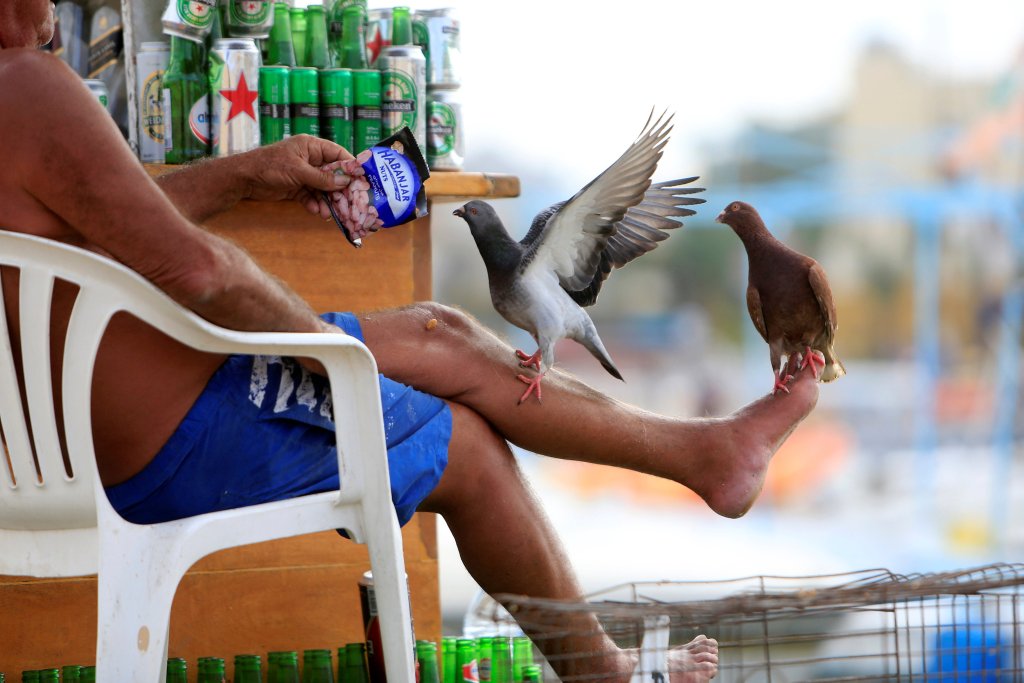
(276, 172)
(68, 173)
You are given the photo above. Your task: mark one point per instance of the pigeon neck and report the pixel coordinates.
(756, 237)
(498, 250)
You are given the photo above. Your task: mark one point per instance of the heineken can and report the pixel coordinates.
(304, 92)
(99, 90)
(234, 72)
(249, 18)
(378, 33)
(336, 100)
(445, 146)
(366, 115)
(275, 114)
(437, 30)
(150, 65)
(190, 19)
(403, 74)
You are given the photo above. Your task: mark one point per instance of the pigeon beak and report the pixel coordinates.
(461, 213)
(720, 218)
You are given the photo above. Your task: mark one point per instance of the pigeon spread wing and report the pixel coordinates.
(640, 230)
(572, 238)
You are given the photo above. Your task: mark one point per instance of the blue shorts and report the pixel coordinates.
(262, 431)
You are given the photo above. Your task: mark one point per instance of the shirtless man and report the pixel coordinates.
(71, 177)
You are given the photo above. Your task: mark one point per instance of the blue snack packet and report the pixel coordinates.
(395, 171)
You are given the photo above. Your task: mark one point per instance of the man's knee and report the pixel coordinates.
(448, 318)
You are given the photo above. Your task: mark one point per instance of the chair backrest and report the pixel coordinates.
(45, 510)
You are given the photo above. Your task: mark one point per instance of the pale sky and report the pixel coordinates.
(573, 81)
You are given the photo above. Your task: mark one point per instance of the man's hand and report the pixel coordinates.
(294, 169)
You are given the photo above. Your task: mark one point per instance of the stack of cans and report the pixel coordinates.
(437, 30)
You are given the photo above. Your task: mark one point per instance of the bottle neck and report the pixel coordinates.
(184, 54)
(401, 28)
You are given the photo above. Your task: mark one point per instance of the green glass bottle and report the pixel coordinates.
(352, 46)
(283, 667)
(466, 670)
(426, 655)
(298, 18)
(401, 26)
(317, 54)
(49, 676)
(30, 676)
(316, 666)
(448, 659)
(186, 103)
(532, 674)
(484, 649)
(501, 660)
(356, 667)
(281, 51)
(522, 656)
(71, 673)
(88, 674)
(248, 669)
(211, 670)
(177, 670)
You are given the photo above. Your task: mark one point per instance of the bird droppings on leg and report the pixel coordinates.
(431, 324)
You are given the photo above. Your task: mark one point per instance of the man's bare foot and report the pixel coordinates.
(695, 662)
(733, 476)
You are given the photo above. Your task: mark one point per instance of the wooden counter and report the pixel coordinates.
(291, 594)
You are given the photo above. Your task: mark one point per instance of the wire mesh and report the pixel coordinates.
(869, 625)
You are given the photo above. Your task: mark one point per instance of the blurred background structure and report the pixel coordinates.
(886, 143)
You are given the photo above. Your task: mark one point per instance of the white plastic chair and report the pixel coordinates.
(52, 524)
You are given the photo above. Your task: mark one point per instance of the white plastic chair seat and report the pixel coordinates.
(52, 524)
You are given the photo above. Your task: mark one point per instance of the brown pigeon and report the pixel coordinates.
(788, 298)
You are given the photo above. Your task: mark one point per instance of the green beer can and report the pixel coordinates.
(336, 100)
(366, 128)
(304, 93)
(275, 112)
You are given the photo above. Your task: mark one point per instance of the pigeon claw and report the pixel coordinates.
(781, 380)
(816, 362)
(529, 361)
(533, 385)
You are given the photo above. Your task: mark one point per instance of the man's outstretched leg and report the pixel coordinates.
(509, 547)
(723, 460)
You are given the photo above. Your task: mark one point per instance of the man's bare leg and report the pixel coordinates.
(509, 547)
(723, 460)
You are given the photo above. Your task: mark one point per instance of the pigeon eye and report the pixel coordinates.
(473, 211)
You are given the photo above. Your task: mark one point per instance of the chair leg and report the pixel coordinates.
(136, 590)
(392, 591)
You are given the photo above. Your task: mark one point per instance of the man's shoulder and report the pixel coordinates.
(22, 67)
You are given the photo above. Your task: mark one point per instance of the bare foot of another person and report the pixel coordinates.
(695, 662)
(732, 476)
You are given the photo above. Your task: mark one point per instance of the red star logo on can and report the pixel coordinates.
(241, 99)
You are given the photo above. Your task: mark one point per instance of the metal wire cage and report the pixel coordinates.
(870, 625)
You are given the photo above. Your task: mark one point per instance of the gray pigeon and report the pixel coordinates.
(541, 283)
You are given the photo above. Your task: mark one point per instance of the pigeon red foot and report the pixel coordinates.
(816, 361)
(781, 380)
(533, 385)
(529, 361)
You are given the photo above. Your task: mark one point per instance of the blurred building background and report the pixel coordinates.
(911, 461)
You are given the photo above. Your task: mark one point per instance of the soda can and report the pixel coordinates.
(249, 18)
(371, 627)
(190, 19)
(403, 76)
(336, 102)
(234, 86)
(150, 65)
(366, 123)
(304, 92)
(438, 31)
(445, 146)
(378, 33)
(99, 90)
(275, 112)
